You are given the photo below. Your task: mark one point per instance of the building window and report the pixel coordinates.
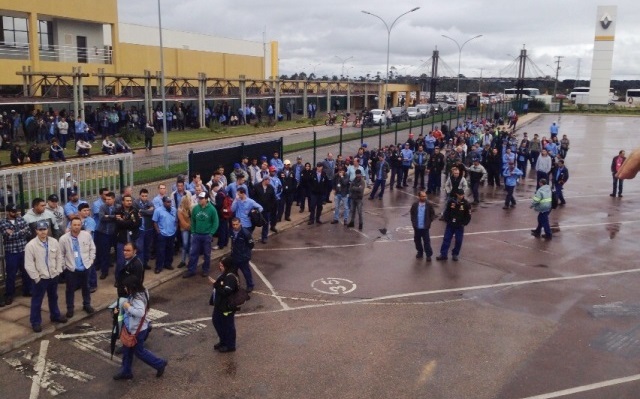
(14, 32)
(45, 35)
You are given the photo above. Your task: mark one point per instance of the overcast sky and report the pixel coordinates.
(312, 33)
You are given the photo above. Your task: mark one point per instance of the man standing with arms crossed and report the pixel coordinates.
(78, 254)
(204, 224)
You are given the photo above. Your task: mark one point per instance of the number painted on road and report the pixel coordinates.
(333, 285)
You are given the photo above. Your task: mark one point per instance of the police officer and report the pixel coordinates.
(457, 214)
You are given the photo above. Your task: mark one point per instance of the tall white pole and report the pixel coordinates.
(386, 84)
(459, 61)
(164, 99)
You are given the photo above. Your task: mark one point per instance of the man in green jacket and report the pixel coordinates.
(204, 224)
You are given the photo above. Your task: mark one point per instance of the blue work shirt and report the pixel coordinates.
(422, 210)
(407, 157)
(72, 208)
(232, 189)
(166, 220)
(95, 210)
(277, 186)
(241, 208)
(76, 254)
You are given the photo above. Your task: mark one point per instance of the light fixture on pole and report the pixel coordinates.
(459, 60)
(164, 99)
(386, 86)
(343, 60)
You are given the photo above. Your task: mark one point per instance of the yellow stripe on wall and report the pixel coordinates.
(605, 38)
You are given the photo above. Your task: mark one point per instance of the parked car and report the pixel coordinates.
(399, 114)
(424, 109)
(413, 113)
(378, 117)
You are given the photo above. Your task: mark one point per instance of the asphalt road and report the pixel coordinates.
(349, 314)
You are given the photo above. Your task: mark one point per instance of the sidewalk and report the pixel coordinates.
(14, 319)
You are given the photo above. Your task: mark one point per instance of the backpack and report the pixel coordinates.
(257, 220)
(227, 213)
(237, 298)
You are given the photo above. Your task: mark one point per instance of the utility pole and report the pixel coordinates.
(555, 84)
(480, 81)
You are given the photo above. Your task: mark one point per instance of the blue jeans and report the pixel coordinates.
(225, 327)
(200, 243)
(379, 183)
(49, 287)
(186, 244)
(423, 241)
(144, 245)
(449, 232)
(164, 251)
(543, 223)
(74, 280)
(141, 353)
(344, 201)
(245, 268)
(15, 262)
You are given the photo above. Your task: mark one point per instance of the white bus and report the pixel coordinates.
(527, 92)
(584, 91)
(633, 97)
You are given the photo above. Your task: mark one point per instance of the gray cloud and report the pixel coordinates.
(312, 32)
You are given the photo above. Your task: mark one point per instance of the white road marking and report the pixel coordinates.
(89, 345)
(269, 286)
(309, 247)
(39, 368)
(586, 388)
(333, 285)
(361, 233)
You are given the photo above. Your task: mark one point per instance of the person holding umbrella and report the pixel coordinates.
(134, 311)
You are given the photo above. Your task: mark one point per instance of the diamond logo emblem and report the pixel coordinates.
(605, 21)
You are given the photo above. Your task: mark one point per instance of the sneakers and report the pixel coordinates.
(535, 234)
(121, 376)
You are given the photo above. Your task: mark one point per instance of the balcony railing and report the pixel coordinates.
(57, 53)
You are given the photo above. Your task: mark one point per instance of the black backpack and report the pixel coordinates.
(257, 220)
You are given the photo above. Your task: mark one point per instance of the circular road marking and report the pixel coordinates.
(333, 285)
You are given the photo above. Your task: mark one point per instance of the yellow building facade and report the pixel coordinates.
(56, 36)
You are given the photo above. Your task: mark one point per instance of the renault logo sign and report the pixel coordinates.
(605, 21)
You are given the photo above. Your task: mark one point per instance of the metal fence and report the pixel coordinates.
(21, 185)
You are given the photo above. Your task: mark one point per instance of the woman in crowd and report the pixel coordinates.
(184, 220)
(223, 314)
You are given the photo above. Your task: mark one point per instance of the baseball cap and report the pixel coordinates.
(263, 158)
(287, 162)
(299, 157)
(364, 145)
(72, 193)
(266, 177)
(10, 208)
(202, 195)
(236, 165)
(272, 168)
(67, 174)
(42, 225)
(166, 199)
(53, 198)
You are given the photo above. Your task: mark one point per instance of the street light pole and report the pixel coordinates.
(459, 62)
(343, 61)
(386, 85)
(164, 99)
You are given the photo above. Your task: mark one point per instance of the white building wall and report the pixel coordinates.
(148, 36)
(65, 33)
(603, 55)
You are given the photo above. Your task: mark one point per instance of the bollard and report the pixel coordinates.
(340, 152)
(121, 169)
(314, 147)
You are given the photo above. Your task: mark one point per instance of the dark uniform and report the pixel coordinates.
(457, 214)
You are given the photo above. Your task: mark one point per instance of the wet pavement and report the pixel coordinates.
(343, 313)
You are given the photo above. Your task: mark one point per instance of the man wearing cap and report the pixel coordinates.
(276, 162)
(165, 221)
(43, 263)
(78, 254)
(37, 213)
(204, 224)
(105, 234)
(457, 214)
(289, 186)
(71, 207)
(237, 170)
(265, 195)
(511, 177)
(15, 234)
(53, 205)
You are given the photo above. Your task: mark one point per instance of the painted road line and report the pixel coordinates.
(586, 388)
(88, 344)
(38, 378)
(269, 286)
(310, 247)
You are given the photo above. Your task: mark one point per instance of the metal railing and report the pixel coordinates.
(59, 53)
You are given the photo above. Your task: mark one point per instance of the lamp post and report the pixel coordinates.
(343, 60)
(386, 85)
(459, 60)
(164, 100)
